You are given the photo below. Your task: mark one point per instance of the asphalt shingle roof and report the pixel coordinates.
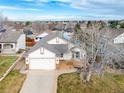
(55, 48)
(9, 36)
(114, 32)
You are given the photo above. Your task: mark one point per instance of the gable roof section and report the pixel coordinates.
(50, 36)
(55, 48)
(43, 34)
(115, 32)
(9, 37)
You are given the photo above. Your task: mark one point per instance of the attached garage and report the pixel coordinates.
(45, 53)
(42, 63)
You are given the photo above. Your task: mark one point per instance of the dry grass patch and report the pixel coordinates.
(67, 64)
(110, 83)
(6, 62)
(12, 83)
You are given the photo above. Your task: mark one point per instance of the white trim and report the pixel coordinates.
(41, 50)
(41, 58)
(57, 39)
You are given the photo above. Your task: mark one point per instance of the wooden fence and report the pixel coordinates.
(12, 67)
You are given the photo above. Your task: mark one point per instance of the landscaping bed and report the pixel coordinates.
(67, 64)
(12, 83)
(110, 83)
(5, 63)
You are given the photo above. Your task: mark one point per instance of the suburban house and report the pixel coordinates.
(68, 34)
(50, 49)
(116, 36)
(11, 41)
(28, 33)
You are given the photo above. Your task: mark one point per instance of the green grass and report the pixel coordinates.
(12, 83)
(5, 63)
(110, 83)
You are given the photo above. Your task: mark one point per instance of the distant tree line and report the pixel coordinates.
(116, 24)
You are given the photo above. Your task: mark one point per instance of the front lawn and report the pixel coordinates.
(110, 83)
(5, 63)
(12, 83)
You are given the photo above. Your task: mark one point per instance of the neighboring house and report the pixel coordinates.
(30, 42)
(49, 50)
(116, 36)
(68, 33)
(2, 29)
(30, 37)
(119, 39)
(11, 42)
(69, 30)
(59, 27)
(39, 37)
(28, 33)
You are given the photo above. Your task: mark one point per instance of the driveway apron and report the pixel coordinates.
(39, 81)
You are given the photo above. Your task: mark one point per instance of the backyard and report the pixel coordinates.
(110, 83)
(5, 63)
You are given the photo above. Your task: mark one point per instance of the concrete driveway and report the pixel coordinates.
(39, 81)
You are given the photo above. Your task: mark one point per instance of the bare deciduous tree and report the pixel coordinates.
(1, 19)
(98, 47)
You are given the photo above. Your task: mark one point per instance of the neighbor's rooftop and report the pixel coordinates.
(9, 36)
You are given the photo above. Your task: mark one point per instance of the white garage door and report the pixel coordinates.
(42, 64)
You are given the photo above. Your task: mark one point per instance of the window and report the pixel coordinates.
(8, 46)
(77, 55)
(61, 54)
(73, 55)
(0, 46)
(41, 50)
(36, 38)
(11, 46)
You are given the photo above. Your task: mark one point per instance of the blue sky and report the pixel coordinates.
(62, 9)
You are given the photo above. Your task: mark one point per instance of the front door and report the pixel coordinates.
(76, 55)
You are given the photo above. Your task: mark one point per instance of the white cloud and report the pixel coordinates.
(59, 18)
(97, 9)
(107, 1)
(33, 17)
(83, 1)
(17, 8)
(87, 3)
(9, 8)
